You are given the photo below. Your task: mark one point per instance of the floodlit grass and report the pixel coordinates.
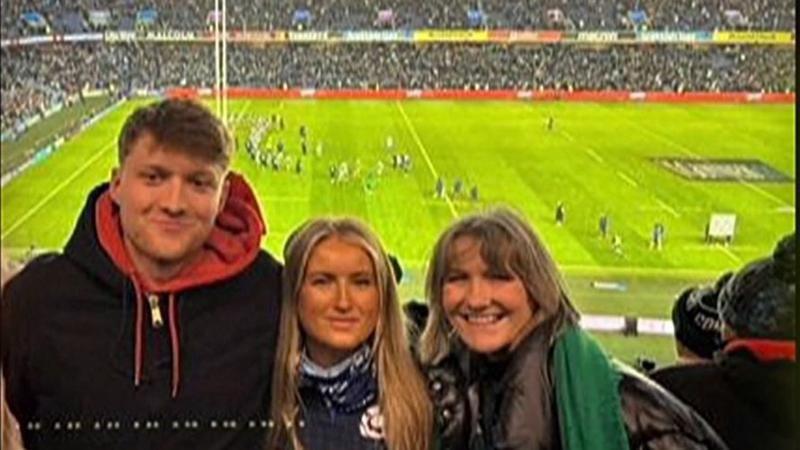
(597, 159)
(40, 134)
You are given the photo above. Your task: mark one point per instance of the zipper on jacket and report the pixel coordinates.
(155, 311)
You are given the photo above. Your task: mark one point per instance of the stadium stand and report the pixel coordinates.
(66, 16)
(35, 77)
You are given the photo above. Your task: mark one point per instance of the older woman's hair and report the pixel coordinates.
(402, 392)
(508, 242)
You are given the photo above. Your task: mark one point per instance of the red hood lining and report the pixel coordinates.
(765, 350)
(233, 244)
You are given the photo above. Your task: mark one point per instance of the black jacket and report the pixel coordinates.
(509, 406)
(68, 354)
(751, 404)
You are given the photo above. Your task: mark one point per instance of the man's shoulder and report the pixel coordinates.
(266, 261)
(684, 372)
(43, 281)
(38, 275)
(263, 273)
(266, 266)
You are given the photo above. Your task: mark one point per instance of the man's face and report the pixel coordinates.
(168, 202)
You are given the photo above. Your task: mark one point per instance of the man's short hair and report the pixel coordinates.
(182, 125)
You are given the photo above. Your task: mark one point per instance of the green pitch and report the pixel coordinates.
(598, 158)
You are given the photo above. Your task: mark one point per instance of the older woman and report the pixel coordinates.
(345, 377)
(511, 369)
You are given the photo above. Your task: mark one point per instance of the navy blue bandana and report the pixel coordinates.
(347, 387)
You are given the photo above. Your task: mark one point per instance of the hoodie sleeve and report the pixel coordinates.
(16, 316)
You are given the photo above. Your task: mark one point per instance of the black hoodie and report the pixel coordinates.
(750, 401)
(86, 367)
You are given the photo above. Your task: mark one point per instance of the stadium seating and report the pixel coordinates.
(72, 15)
(36, 77)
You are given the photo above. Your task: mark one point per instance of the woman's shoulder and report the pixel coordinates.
(656, 419)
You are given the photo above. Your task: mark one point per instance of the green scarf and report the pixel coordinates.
(587, 395)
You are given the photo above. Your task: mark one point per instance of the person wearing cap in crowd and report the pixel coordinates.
(747, 393)
(697, 323)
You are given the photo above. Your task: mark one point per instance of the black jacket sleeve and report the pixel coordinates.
(16, 315)
(656, 420)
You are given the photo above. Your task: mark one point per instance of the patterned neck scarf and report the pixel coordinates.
(346, 387)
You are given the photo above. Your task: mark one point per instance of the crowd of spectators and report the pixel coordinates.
(64, 16)
(34, 77)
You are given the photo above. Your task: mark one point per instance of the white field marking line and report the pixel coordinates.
(766, 194)
(713, 247)
(594, 155)
(627, 179)
(586, 148)
(689, 152)
(58, 189)
(242, 111)
(730, 254)
(235, 121)
(667, 208)
(622, 175)
(418, 141)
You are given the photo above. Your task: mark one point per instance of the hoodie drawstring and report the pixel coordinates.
(138, 349)
(176, 348)
(139, 337)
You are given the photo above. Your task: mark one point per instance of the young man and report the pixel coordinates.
(157, 325)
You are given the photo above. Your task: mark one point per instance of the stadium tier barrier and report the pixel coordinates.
(543, 95)
(604, 37)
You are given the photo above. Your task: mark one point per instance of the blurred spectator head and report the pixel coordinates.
(697, 323)
(759, 301)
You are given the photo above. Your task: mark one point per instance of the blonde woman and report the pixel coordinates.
(510, 367)
(345, 378)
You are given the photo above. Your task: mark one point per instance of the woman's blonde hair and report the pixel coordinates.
(402, 392)
(507, 242)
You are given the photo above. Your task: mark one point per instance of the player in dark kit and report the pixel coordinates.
(561, 213)
(440, 187)
(473, 193)
(658, 236)
(458, 187)
(605, 225)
